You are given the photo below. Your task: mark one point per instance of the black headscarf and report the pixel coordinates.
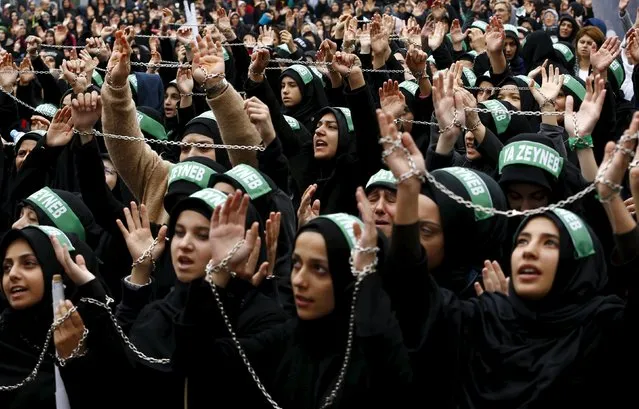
(23, 332)
(313, 95)
(206, 124)
(481, 234)
(541, 345)
(189, 176)
(503, 124)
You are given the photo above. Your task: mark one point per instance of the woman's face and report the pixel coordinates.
(190, 247)
(326, 137)
(235, 20)
(28, 217)
(22, 278)
(382, 200)
(471, 150)
(290, 92)
(110, 174)
(485, 91)
(535, 258)
(549, 19)
(510, 93)
(584, 45)
(310, 278)
(187, 151)
(49, 38)
(431, 234)
(527, 196)
(565, 29)
(25, 149)
(171, 100)
(510, 48)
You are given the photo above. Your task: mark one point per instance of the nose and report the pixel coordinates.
(378, 207)
(186, 243)
(299, 279)
(20, 223)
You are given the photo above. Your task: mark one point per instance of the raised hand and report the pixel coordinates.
(119, 66)
(138, 237)
(391, 98)
(60, 131)
(589, 111)
(208, 63)
(76, 270)
(494, 279)
(551, 84)
(228, 240)
(308, 211)
(260, 116)
(396, 148)
(601, 59)
(86, 109)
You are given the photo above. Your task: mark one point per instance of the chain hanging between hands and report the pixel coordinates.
(359, 276)
(178, 143)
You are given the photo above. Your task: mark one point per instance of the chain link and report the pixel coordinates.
(78, 351)
(147, 254)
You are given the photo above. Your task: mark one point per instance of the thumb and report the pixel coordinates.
(478, 290)
(79, 260)
(162, 235)
(316, 206)
(261, 274)
(409, 143)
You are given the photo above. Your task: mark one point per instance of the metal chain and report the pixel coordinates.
(349, 342)
(222, 266)
(179, 143)
(77, 351)
(147, 254)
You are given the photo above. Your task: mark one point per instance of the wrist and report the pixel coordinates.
(141, 274)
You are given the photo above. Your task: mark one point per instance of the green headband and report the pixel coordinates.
(565, 51)
(58, 234)
(470, 76)
(579, 234)
(618, 71)
(409, 86)
(212, 197)
(531, 154)
(191, 172)
(345, 223)
(251, 180)
(318, 74)
(482, 25)
(151, 126)
(305, 74)
(225, 54)
(575, 87)
(133, 80)
(48, 110)
(476, 189)
(58, 211)
(383, 178)
(500, 114)
(97, 78)
(349, 118)
(512, 29)
(292, 122)
(527, 80)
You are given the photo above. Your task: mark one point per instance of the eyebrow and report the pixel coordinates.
(548, 235)
(312, 259)
(429, 224)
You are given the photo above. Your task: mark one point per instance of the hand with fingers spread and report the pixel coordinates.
(366, 236)
(308, 211)
(551, 83)
(184, 81)
(60, 131)
(208, 63)
(248, 271)
(8, 73)
(138, 238)
(601, 59)
(76, 270)
(119, 66)
(26, 72)
(391, 99)
(86, 109)
(589, 111)
(457, 36)
(495, 36)
(68, 335)
(493, 278)
(259, 61)
(74, 73)
(230, 243)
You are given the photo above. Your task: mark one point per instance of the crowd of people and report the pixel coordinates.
(315, 204)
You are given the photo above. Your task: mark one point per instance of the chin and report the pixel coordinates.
(186, 276)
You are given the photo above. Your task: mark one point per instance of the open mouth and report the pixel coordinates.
(529, 271)
(320, 143)
(18, 289)
(184, 261)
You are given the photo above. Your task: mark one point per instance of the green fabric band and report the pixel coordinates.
(575, 86)
(470, 76)
(292, 122)
(48, 110)
(97, 78)
(349, 118)
(212, 197)
(251, 180)
(500, 114)
(579, 234)
(409, 86)
(345, 223)
(565, 51)
(133, 80)
(618, 72)
(58, 211)
(383, 178)
(476, 189)
(527, 80)
(585, 142)
(58, 234)
(531, 154)
(191, 172)
(318, 74)
(482, 25)
(304, 73)
(151, 126)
